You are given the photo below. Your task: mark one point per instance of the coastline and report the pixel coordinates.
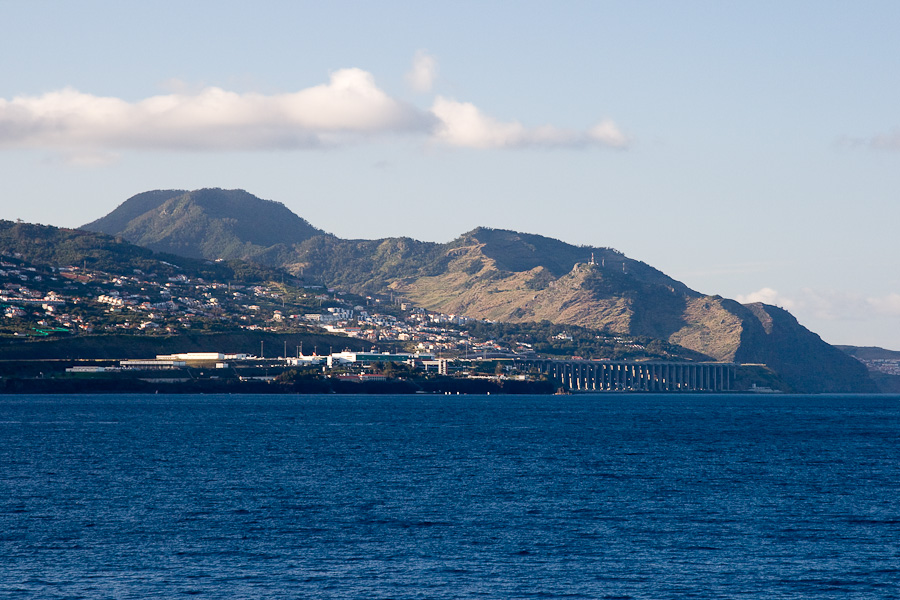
(308, 386)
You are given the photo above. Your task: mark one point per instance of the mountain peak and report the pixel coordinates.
(209, 222)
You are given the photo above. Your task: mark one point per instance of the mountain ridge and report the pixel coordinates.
(500, 275)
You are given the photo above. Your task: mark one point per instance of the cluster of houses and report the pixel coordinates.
(140, 302)
(79, 299)
(426, 331)
(146, 303)
(890, 366)
(18, 301)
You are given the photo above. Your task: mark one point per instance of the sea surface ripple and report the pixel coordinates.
(593, 496)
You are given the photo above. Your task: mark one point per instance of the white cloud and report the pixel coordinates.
(463, 124)
(828, 305)
(90, 130)
(767, 296)
(884, 141)
(350, 104)
(886, 305)
(608, 134)
(423, 72)
(831, 305)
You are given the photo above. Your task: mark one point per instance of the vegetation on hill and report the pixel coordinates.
(58, 247)
(364, 266)
(492, 274)
(207, 223)
(565, 341)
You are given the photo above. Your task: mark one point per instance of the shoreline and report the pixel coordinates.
(435, 386)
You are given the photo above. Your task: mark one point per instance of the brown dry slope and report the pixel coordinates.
(619, 295)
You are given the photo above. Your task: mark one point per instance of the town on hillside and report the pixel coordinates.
(404, 341)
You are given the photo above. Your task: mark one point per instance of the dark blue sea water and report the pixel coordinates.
(600, 496)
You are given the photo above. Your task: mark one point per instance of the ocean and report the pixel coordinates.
(585, 496)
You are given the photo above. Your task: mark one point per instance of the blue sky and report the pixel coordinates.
(750, 150)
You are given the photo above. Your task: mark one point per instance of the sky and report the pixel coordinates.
(750, 150)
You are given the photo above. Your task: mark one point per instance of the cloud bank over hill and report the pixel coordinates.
(349, 108)
(828, 305)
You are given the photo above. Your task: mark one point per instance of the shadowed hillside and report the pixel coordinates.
(778, 340)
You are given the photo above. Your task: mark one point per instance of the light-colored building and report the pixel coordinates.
(152, 365)
(202, 356)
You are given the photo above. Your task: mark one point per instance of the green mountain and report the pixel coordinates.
(58, 247)
(208, 223)
(499, 275)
